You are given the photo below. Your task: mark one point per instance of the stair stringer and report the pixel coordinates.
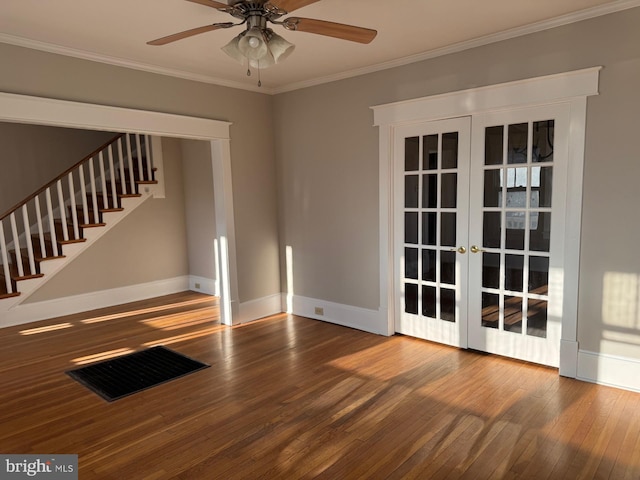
(9, 307)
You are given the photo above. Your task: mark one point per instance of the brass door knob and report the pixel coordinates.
(475, 249)
(462, 250)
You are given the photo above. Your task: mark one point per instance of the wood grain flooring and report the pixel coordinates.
(292, 398)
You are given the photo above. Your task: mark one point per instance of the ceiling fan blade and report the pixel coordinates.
(187, 33)
(210, 3)
(330, 29)
(291, 5)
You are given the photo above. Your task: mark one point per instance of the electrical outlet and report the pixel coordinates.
(319, 311)
(197, 285)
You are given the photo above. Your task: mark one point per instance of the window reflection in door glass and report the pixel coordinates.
(540, 237)
(491, 230)
(490, 310)
(517, 146)
(493, 188)
(537, 318)
(541, 183)
(543, 136)
(539, 275)
(513, 314)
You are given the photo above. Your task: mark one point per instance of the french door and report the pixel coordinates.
(433, 175)
(480, 248)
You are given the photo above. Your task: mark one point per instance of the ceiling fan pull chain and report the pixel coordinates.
(259, 80)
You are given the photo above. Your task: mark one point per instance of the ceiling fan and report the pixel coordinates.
(258, 45)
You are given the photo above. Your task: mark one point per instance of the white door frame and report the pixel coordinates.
(570, 89)
(87, 116)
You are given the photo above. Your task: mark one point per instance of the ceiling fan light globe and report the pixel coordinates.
(265, 62)
(233, 51)
(280, 48)
(253, 45)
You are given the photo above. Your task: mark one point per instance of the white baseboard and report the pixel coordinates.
(204, 285)
(31, 312)
(259, 308)
(345, 315)
(619, 372)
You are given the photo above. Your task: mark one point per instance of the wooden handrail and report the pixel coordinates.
(59, 177)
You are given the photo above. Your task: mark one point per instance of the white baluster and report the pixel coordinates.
(147, 153)
(94, 197)
(16, 244)
(63, 213)
(114, 195)
(123, 183)
(43, 247)
(132, 179)
(103, 181)
(27, 236)
(83, 193)
(139, 153)
(52, 225)
(5, 259)
(74, 210)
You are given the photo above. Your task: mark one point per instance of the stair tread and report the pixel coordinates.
(61, 241)
(146, 182)
(50, 258)
(9, 295)
(93, 225)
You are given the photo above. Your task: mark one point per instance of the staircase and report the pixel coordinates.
(41, 234)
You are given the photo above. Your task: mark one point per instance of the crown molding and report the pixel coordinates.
(123, 62)
(613, 7)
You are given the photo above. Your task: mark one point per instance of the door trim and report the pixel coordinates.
(570, 89)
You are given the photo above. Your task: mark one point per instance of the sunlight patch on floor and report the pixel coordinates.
(96, 357)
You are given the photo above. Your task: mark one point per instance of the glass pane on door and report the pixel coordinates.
(517, 202)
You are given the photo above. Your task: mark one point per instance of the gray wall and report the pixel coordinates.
(253, 166)
(199, 207)
(327, 154)
(32, 155)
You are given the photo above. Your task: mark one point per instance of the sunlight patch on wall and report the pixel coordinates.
(289, 265)
(620, 295)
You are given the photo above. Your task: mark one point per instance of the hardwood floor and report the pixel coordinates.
(291, 398)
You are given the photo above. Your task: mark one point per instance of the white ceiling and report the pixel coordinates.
(116, 31)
